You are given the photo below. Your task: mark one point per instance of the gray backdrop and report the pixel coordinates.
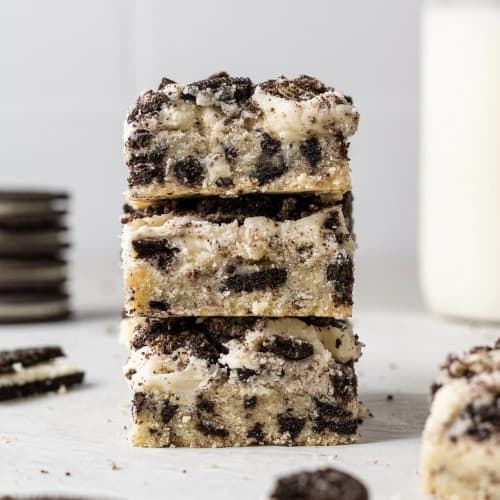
(70, 69)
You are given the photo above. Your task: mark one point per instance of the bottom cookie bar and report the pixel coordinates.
(242, 381)
(35, 370)
(461, 442)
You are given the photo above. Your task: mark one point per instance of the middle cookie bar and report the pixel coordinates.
(263, 255)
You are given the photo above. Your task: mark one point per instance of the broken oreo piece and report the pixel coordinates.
(322, 484)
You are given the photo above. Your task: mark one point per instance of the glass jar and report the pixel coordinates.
(460, 158)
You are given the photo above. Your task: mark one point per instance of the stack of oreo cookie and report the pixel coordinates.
(237, 250)
(33, 271)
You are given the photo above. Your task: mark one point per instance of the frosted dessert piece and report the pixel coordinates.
(256, 255)
(204, 382)
(225, 136)
(461, 442)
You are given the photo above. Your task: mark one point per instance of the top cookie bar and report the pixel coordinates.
(225, 136)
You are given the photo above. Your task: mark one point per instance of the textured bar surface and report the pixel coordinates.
(461, 442)
(225, 136)
(259, 255)
(203, 382)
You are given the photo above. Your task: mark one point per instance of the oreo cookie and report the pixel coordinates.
(32, 270)
(35, 370)
(323, 484)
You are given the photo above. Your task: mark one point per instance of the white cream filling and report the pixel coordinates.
(294, 121)
(29, 238)
(33, 310)
(24, 207)
(58, 367)
(21, 275)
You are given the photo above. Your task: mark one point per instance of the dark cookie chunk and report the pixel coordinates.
(130, 373)
(270, 146)
(334, 418)
(40, 386)
(268, 169)
(157, 250)
(250, 402)
(272, 278)
(222, 88)
(291, 423)
(323, 484)
(159, 305)
(230, 152)
(341, 274)
(30, 356)
(155, 157)
(311, 149)
(256, 433)
(302, 88)
(138, 402)
(224, 182)
(346, 204)
(140, 175)
(245, 373)
(202, 348)
(341, 324)
(225, 329)
(148, 105)
(210, 429)
(221, 210)
(204, 405)
(345, 382)
(168, 411)
(164, 82)
(140, 139)
(290, 348)
(333, 223)
(482, 420)
(188, 171)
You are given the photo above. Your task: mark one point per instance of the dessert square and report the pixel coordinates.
(204, 382)
(226, 136)
(256, 255)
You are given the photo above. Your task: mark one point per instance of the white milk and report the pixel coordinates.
(460, 158)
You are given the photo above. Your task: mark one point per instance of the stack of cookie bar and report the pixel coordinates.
(238, 264)
(33, 272)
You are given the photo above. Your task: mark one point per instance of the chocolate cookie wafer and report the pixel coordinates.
(34, 370)
(43, 305)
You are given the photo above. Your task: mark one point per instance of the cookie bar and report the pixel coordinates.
(461, 442)
(35, 370)
(204, 382)
(225, 136)
(322, 484)
(262, 255)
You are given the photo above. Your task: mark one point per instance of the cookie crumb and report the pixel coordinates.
(389, 397)
(113, 465)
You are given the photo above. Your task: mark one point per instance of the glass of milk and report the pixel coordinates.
(460, 158)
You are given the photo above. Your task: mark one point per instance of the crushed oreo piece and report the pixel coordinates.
(256, 433)
(230, 152)
(341, 274)
(245, 373)
(334, 418)
(290, 348)
(148, 105)
(250, 402)
(302, 88)
(268, 169)
(159, 251)
(188, 171)
(210, 429)
(159, 305)
(290, 423)
(323, 484)
(142, 174)
(311, 149)
(221, 89)
(272, 278)
(168, 411)
(138, 402)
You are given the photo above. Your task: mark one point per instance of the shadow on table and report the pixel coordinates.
(401, 417)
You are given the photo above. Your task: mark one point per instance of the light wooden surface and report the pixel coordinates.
(83, 432)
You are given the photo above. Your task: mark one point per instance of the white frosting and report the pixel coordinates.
(24, 207)
(58, 367)
(294, 121)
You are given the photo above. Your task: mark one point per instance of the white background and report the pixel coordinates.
(70, 69)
